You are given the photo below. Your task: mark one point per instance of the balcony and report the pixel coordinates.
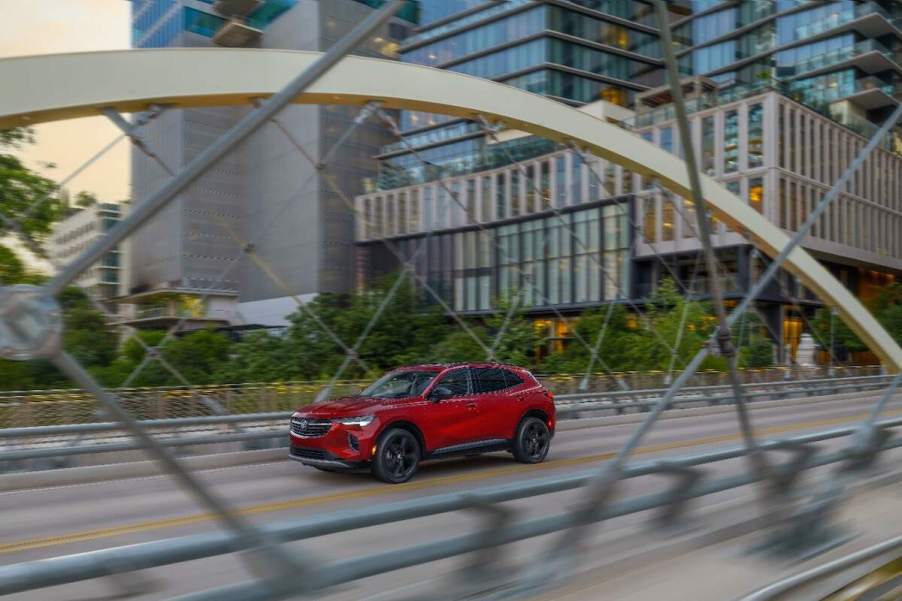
(231, 8)
(868, 18)
(236, 34)
(167, 316)
(869, 56)
(872, 93)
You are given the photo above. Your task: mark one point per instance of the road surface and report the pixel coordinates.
(49, 522)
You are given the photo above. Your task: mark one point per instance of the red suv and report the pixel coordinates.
(427, 411)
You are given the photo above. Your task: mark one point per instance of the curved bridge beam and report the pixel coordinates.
(67, 86)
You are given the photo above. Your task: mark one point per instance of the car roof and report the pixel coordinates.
(443, 366)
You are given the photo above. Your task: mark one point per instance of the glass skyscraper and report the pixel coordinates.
(840, 58)
(575, 52)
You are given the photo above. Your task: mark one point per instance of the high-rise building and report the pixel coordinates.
(840, 58)
(576, 52)
(184, 262)
(781, 96)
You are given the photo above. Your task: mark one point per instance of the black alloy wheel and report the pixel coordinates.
(533, 441)
(397, 456)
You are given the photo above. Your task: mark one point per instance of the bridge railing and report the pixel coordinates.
(18, 446)
(27, 408)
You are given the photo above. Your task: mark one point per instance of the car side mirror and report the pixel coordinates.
(440, 392)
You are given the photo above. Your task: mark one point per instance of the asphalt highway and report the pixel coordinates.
(49, 522)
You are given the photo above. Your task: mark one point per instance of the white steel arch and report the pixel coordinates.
(67, 86)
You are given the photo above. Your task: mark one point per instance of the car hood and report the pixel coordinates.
(350, 406)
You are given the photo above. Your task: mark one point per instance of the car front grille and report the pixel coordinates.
(308, 453)
(309, 427)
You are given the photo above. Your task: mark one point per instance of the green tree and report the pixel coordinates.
(754, 346)
(258, 357)
(516, 336)
(844, 340)
(404, 333)
(25, 197)
(85, 336)
(85, 199)
(199, 356)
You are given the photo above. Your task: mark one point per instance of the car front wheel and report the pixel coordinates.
(532, 441)
(397, 456)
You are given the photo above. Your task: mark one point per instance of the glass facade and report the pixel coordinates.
(579, 258)
(158, 23)
(478, 39)
(574, 55)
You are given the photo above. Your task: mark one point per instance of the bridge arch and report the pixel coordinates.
(67, 86)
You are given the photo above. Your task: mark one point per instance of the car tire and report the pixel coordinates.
(397, 456)
(532, 441)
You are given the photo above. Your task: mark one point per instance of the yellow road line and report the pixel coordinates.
(375, 491)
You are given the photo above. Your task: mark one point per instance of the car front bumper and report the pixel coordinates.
(322, 459)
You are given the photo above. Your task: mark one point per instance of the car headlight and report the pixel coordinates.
(363, 420)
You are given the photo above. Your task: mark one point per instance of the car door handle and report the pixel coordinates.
(471, 406)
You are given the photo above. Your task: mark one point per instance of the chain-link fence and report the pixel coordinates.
(31, 325)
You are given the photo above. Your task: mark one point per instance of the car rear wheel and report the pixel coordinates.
(532, 441)
(397, 456)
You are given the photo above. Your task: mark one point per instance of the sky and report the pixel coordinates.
(54, 26)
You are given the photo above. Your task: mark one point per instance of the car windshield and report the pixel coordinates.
(400, 384)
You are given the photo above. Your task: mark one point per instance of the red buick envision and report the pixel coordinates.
(427, 411)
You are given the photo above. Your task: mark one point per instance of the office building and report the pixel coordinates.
(575, 52)
(184, 261)
(778, 138)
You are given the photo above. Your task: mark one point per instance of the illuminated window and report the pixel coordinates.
(756, 194)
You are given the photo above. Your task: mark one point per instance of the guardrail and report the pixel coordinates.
(108, 562)
(48, 442)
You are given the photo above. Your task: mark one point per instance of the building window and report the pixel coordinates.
(576, 180)
(413, 214)
(627, 181)
(560, 179)
(533, 263)
(793, 206)
(708, 145)
(586, 260)
(689, 219)
(756, 136)
(500, 197)
(668, 218)
(430, 214)
(486, 198)
(379, 225)
(402, 212)
(610, 179)
(545, 185)
(515, 192)
(530, 189)
(592, 180)
(559, 259)
(667, 139)
(756, 194)
(731, 142)
(649, 219)
(616, 249)
(471, 202)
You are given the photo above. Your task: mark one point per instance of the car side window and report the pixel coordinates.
(488, 379)
(512, 378)
(457, 381)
